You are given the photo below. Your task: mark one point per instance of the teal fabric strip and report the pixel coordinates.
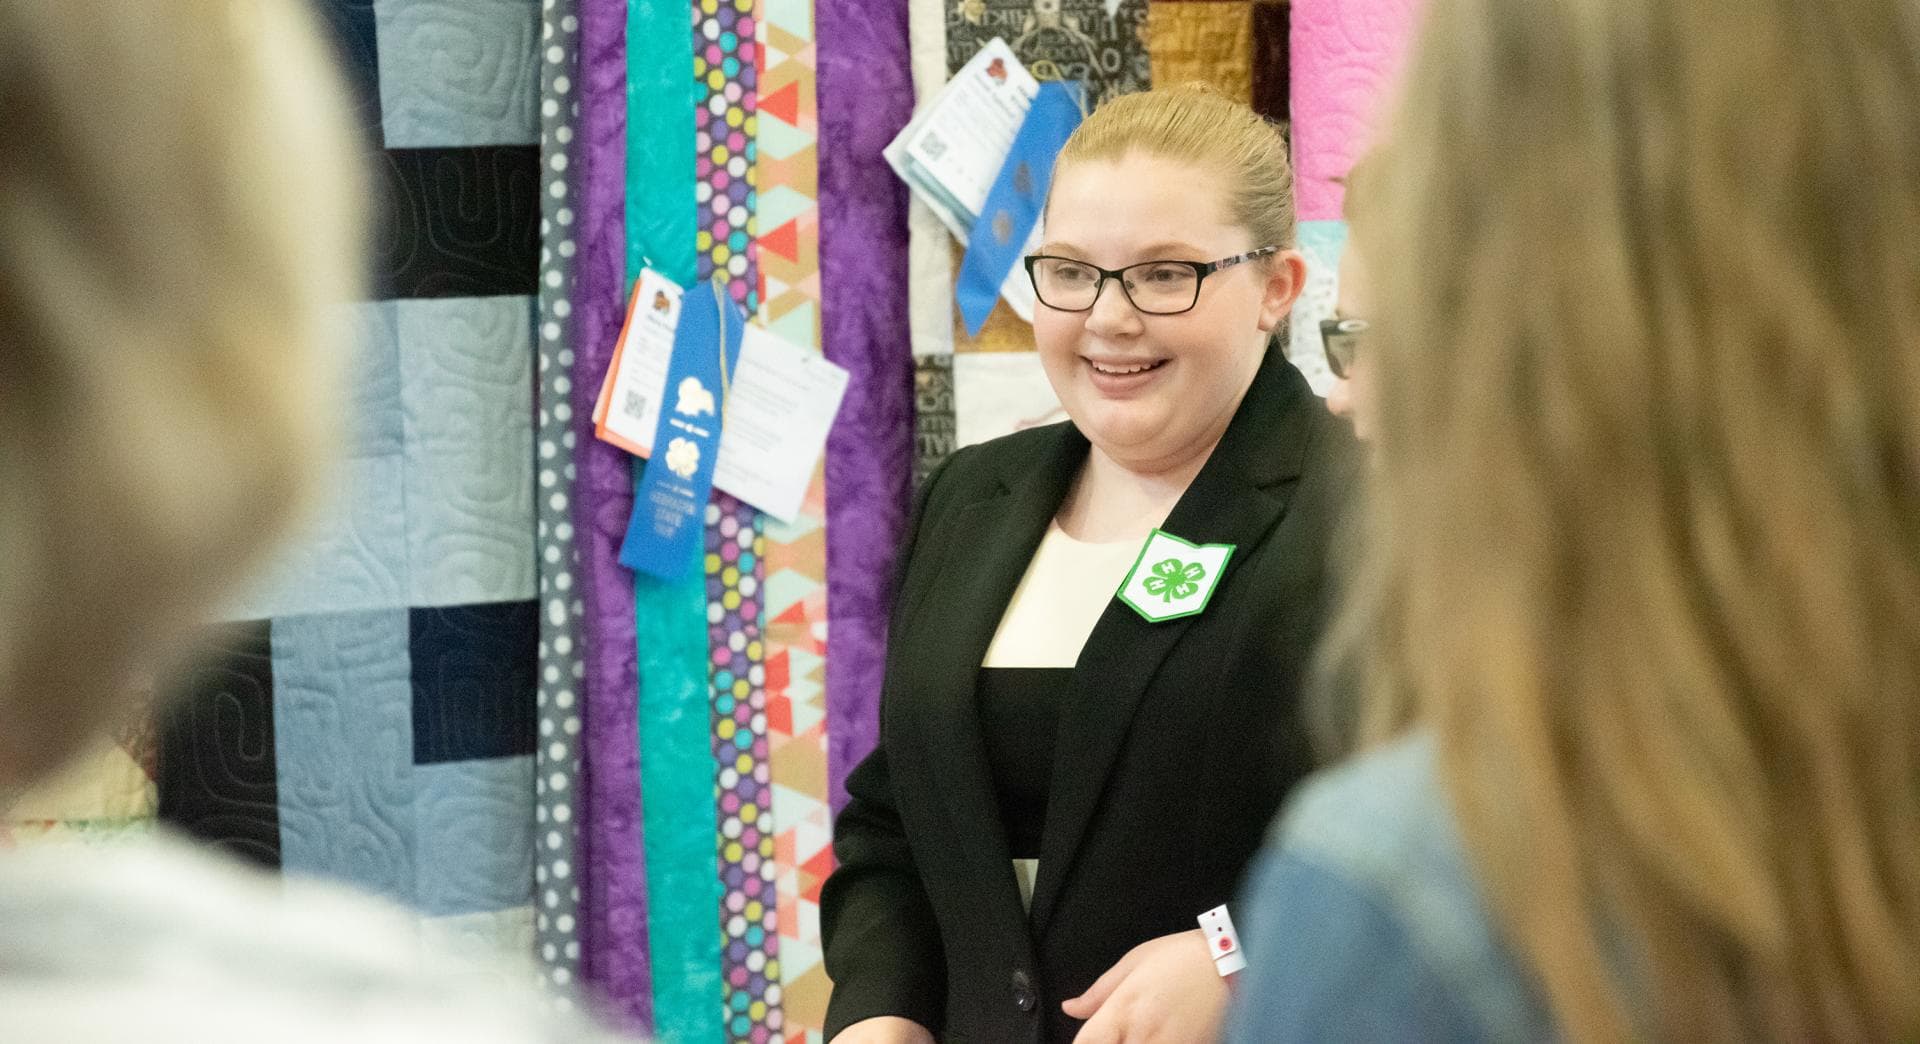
(660, 127)
(670, 618)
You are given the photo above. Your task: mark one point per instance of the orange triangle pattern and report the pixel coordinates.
(784, 241)
(813, 874)
(783, 103)
(779, 671)
(795, 614)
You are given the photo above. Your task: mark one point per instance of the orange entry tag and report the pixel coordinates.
(628, 409)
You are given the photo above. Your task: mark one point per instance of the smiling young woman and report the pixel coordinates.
(1067, 777)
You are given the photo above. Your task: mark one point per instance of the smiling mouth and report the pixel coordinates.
(1112, 370)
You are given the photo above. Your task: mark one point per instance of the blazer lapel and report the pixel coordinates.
(1236, 498)
(995, 539)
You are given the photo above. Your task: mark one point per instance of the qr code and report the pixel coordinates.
(934, 146)
(635, 405)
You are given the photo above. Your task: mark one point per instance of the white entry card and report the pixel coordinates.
(780, 406)
(779, 403)
(952, 151)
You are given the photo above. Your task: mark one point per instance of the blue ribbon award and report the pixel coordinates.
(1014, 202)
(664, 535)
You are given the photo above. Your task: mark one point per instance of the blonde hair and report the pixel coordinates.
(1647, 547)
(1356, 186)
(179, 208)
(1196, 124)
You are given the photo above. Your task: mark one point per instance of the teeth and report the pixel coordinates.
(1122, 371)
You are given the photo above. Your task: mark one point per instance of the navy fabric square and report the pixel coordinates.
(473, 666)
(217, 776)
(458, 222)
(356, 43)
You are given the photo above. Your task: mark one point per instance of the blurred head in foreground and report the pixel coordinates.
(1646, 283)
(179, 210)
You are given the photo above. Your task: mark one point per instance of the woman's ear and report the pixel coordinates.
(1286, 277)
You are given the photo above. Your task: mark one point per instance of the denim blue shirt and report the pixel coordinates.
(1362, 920)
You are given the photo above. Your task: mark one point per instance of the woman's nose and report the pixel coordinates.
(1113, 313)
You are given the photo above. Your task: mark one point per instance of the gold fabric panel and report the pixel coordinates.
(1206, 40)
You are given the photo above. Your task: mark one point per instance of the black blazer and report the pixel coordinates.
(1176, 743)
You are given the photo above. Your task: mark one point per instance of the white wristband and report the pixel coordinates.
(1223, 943)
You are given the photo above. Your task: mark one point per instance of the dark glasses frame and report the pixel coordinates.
(1201, 270)
(1340, 339)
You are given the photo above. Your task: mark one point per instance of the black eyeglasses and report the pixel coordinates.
(1153, 287)
(1341, 339)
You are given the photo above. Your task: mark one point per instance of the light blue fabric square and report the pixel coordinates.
(343, 741)
(374, 380)
(351, 556)
(466, 366)
(474, 821)
(466, 386)
(459, 72)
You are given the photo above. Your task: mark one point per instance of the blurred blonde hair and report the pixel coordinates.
(1198, 125)
(1647, 557)
(1356, 186)
(179, 208)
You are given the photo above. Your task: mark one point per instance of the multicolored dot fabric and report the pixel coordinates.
(725, 69)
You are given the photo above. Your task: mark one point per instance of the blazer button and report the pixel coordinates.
(1023, 996)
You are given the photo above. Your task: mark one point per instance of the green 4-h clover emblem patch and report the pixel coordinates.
(1173, 578)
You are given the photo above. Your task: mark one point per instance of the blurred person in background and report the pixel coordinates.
(1343, 335)
(179, 219)
(1638, 615)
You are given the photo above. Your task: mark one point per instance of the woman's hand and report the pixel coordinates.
(1164, 991)
(884, 1029)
